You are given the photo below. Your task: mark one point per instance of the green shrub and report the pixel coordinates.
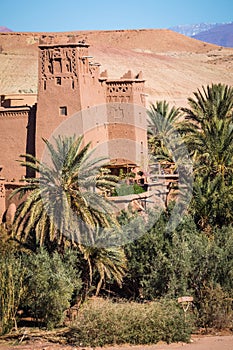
(215, 308)
(184, 262)
(223, 238)
(160, 262)
(102, 322)
(124, 189)
(12, 275)
(50, 283)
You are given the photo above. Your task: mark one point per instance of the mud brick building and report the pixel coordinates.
(74, 97)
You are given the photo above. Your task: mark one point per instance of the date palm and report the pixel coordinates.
(63, 202)
(208, 129)
(208, 133)
(162, 130)
(106, 263)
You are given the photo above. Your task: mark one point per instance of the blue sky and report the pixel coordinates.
(68, 15)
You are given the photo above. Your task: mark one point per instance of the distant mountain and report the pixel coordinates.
(215, 33)
(5, 29)
(193, 29)
(221, 35)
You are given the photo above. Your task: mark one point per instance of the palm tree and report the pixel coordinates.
(162, 130)
(63, 202)
(211, 203)
(106, 263)
(208, 129)
(208, 133)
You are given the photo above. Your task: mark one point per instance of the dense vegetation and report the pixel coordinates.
(103, 322)
(55, 254)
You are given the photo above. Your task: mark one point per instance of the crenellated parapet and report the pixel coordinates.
(125, 89)
(118, 91)
(15, 113)
(60, 40)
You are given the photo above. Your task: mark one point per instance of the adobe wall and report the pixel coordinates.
(71, 90)
(68, 83)
(8, 205)
(13, 136)
(17, 100)
(2, 200)
(127, 89)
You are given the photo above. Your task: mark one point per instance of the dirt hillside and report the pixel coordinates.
(173, 65)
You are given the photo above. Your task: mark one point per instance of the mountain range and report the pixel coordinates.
(5, 29)
(216, 33)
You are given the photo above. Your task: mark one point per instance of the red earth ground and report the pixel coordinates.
(217, 342)
(173, 65)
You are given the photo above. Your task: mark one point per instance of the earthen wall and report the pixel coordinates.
(13, 136)
(71, 89)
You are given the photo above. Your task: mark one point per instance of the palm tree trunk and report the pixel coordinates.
(99, 285)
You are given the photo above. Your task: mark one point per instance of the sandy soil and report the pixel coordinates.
(197, 343)
(173, 65)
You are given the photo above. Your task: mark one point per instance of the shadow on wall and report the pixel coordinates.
(31, 138)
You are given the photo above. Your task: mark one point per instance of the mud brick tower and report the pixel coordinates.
(74, 97)
(70, 84)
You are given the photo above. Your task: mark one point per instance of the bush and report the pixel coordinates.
(101, 322)
(160, 261)
(185, 262)
(50, 283)
(215, 308)
(12, 275)
(124, 189)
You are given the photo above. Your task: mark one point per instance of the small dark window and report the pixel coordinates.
(63, 110)
(58, 80)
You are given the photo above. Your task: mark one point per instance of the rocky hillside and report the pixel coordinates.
(173, 65)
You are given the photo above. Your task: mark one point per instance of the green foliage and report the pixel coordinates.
(105, 264)
(61, 201)
(124, 189)
(223, 238)
(50, 284)
(7, 244)
(103, 322)
(12, 274)
(215, 308)
(162, 130)
(160, 260)
(212, 280)
(184, 262)
(208, 133)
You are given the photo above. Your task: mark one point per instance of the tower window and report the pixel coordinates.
(58, 80)
(63, 110)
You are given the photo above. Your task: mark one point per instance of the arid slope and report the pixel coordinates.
(173, 65)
